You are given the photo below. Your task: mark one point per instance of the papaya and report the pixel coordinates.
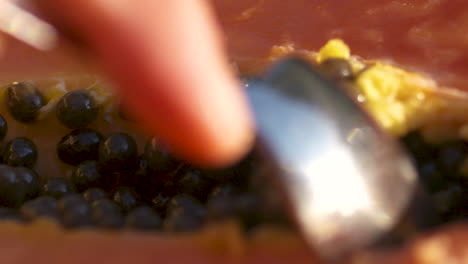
(404, 61)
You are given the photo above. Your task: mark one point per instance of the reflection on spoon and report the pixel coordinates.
(346, 182)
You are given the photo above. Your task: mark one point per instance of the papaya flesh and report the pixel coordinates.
(422, 35)
(413, 35)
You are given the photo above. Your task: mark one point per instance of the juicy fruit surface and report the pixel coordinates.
(43, 241)
(424, 35)
(183, 212)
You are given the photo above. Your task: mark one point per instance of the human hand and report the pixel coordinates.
(168, 61)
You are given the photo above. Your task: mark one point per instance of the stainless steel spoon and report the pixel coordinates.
(345, 181)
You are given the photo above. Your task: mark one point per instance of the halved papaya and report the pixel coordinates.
(409, 69)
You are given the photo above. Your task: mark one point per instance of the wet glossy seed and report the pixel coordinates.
(118, 152)
(223, 190)
(58, 187)
(448, 200)
(87, 175)
(194, 183)
(31, 182)
(126, 198)
(184, 214)
(75, 211)
(20, 152)
(158, 157)
(107, 214)
(3, 127)
(418, 148)
(9, 214)
(79, 145)
(245, 206)
(160, 203)
(76, 109)
(432, 176)
(44, 206)
(140, 180)
(451, 156)
(226, 175)
(12, 187)
(24, 101)
(94, 194)
(248, 209)
(143, 218)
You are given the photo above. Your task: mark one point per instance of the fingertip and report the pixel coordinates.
(228, 132)
(212, 127)
(173, 74)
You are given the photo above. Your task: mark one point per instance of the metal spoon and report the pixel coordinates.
(345, 181)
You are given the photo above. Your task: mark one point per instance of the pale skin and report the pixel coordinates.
(168, 59)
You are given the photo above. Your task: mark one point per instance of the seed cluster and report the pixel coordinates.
(439, 167)
(112, 185)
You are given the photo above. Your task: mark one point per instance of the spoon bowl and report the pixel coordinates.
(345, 181)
